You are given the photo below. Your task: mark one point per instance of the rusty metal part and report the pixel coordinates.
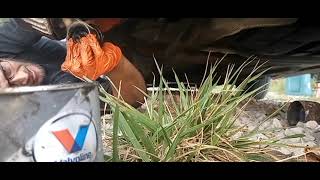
(303, 111)
(53, 28)
(40, 24)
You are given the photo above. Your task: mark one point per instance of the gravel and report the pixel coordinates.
(277, 127)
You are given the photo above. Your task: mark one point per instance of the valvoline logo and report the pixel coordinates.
(70, 138)
(70, 144)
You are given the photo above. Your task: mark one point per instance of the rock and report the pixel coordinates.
(260, 116)
(266, 125)
(316, 130)
(292, 141)
(293, 131)
(278, 128)
(236, 136)
(282, 115)
(280, 135)
(285, 151)
(310, 144)
(237, 123)
(308, 131)
(284, 123)
(317, 137)
(276, 123)
(311, 124)
(290, 151)
(300, 124)
(297, 151)
(258, 137)
(308, 138)
(251, 126)
(243, 120)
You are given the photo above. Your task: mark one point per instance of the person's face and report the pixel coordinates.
(14, 73)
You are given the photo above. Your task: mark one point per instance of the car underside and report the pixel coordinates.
(286, 46)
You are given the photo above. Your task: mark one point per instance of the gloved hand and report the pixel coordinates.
(87, 58)
(80, 29)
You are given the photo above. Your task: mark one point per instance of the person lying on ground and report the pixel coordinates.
(28, 58)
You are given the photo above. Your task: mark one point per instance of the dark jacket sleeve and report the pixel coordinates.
(15, 39)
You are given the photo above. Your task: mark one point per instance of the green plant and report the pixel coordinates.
(188, 125)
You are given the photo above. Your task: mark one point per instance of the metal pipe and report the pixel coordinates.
(303, 111)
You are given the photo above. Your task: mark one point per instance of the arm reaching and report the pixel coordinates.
(130, 78)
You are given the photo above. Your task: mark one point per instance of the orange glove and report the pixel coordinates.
(88, 59)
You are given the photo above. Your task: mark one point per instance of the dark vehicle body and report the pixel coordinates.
(288, 46)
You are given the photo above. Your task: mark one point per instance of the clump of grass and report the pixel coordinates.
(189, 126)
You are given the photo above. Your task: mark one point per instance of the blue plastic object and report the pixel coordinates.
(299, 85)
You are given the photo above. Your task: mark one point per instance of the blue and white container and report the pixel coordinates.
(55, 123)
